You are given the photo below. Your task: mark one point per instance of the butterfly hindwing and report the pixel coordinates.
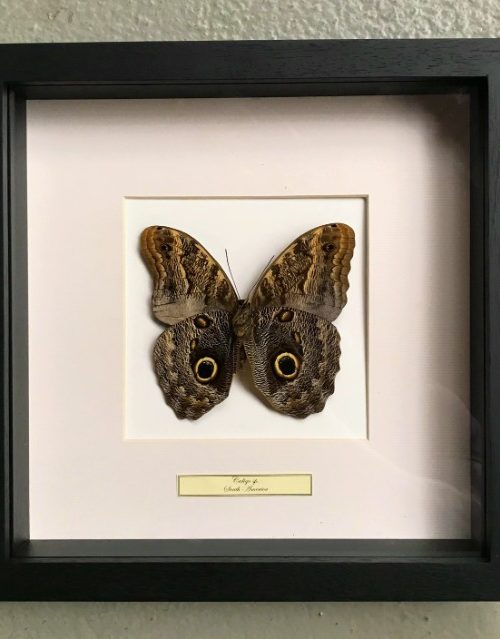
(195, 362)
(294, 357)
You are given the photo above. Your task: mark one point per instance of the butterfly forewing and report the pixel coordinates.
(311, 274)
(186, 278)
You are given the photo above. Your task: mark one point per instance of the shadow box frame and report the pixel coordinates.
(239, 569)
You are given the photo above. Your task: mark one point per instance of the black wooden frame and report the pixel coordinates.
(245, 569)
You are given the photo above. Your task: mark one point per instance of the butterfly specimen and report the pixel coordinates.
(284, 329)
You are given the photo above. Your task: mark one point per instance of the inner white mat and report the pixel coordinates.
(252, 230)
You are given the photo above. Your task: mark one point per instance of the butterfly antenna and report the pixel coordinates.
(231, 274)
(268, 264)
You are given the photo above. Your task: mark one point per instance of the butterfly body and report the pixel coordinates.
(283, 329)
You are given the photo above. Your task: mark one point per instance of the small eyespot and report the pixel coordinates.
(285, 316)
(159, 228)
(297, 338)
(287, 365)
(328, 248)
(205, 369)
(334, 226)
(193, 344)
(202, 321)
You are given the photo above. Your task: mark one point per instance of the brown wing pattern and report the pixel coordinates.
(311, 274)
(305, 346)
(190, 390)
(187, 280)
(285, 326)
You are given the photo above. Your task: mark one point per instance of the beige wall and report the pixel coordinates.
(91, 20)
(87, 20)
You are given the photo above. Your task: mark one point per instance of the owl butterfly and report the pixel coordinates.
(284, 329)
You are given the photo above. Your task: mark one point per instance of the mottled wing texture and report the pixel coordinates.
(187, 280)
(291, 345)
(312, 340)
(285, 326)
(176, 353)
(194, 298)
(310, 274)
